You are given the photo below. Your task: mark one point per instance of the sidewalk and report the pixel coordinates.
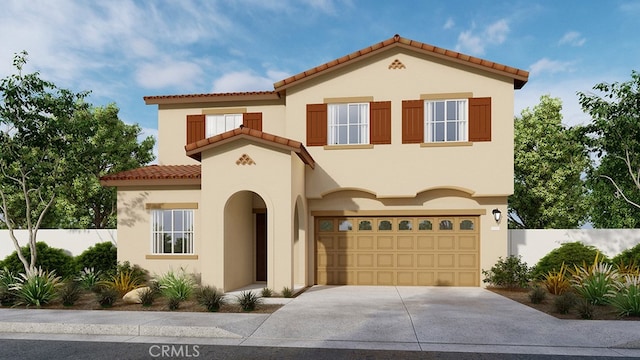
(391, 318)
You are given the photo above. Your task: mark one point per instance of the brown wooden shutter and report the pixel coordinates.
(412, 121)
(480, 119)
(195, 128)
(380, 122)
(316, 124)
(252, 120)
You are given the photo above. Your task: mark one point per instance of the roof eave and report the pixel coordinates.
(209, 98)
(149, 182)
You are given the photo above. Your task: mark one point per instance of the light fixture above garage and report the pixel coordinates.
(497, 215)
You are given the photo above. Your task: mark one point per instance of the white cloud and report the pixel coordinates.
(572, 38)
(449, 24)
(246, 81)
(181, 74)
(475, 43)
(550, 66)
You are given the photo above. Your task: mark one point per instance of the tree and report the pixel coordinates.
(110, 146)
(615, 138)
(549, 161)
(36, 130)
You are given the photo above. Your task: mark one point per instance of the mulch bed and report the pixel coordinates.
(88, 301)
(604, 312)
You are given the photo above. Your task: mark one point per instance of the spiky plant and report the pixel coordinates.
(36, 289)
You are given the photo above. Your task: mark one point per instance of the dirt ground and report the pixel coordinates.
(88, 302)
(605, 312)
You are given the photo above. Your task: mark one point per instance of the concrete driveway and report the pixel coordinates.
(438, 319)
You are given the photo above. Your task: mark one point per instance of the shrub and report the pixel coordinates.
(139, 274)
(89, 278)
(127, 278)
(70, 293)
(537, 295)
(626, 296)
(107, 296)
(286, 292)
(557, 282)
(628, 256)
(508, 273)
(176, 286)
(627, 268)
(248, 300)
(7, 296)
(563, 303)
(570, 254)
(48, 259)
(37, 289)
(210, 298)
(585, 309)
(593, 282)
(101, 257)
(148, 296)
(266, 292)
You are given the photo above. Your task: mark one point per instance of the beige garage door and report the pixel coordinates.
(398, 251)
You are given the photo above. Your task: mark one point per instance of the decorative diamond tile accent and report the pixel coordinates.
(245, 160)
(397, 64)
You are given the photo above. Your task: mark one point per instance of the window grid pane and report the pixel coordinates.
(348, 124)
(445, 121)
(172, 231)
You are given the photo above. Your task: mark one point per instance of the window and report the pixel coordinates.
(445, 120)
(217, 124)
(172, 231)
(348, 124)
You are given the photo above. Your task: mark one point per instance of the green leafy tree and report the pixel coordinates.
(110, 146)
(549, 160)
(615, 138)
(36, 131)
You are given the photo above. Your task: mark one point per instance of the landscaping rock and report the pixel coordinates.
(133, 296)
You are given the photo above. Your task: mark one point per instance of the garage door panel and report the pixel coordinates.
(426, 251)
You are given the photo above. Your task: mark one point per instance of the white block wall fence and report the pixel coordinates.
(532, 245)
(73, 241)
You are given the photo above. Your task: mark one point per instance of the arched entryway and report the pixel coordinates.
(245, 240)
(299, 248)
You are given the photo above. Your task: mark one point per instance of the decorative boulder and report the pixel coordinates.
(133, 296)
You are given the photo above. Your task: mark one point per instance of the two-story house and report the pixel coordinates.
(387, 166)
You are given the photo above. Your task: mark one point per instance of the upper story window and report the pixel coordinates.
(172, 231)
(217, 124)
(348, 124)
(445, 120)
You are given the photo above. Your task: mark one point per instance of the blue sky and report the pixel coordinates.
(124, 50)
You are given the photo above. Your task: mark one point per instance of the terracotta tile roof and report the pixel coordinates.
(195, 149)
(520, 77)
(160, 174)
(213, 97)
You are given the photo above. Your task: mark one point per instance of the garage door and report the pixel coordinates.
(429, 251)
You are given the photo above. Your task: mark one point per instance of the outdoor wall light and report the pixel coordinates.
(497, 215)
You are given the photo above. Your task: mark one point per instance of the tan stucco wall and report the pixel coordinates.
(172, 127)
(134, 227)
(271, 179)
(485, 168)
(239, 254)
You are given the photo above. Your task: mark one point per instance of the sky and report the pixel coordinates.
(122, 50)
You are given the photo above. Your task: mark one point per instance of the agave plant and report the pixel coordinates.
(557, 282)
(176, 286)
(36, 289)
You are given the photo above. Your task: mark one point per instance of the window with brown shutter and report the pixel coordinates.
(195, 128)
(252, 120)
(380, 122)
(412, 121)
(316, 124)
(480, 119)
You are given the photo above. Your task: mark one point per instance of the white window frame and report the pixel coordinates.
(348, 131)
(454, 126)
(219, 123)
(160, 230)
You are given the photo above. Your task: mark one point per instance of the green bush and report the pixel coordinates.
(210, 298)
(48, 259)
(626, 296)
(107, 296)
(286, 292)
(537, 295)
(266, 292)
(101, 257)
(69, 293)
(594, 282)
(508, 273)
(89, 279)
(248, 300)
(629, 256)
(563, 303)
(570, 254)
(7, 296)
(177, 287)
(148, 296)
